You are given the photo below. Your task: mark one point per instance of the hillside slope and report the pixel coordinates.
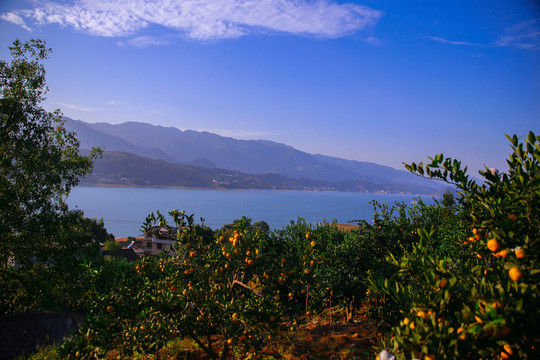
(247, 156)
(121, 168)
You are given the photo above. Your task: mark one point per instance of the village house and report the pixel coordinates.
(153, 243)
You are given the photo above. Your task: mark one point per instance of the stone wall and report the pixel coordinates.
(21, 333)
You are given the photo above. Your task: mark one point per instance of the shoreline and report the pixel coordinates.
(244, 189)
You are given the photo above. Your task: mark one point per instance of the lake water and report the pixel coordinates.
(125, 209)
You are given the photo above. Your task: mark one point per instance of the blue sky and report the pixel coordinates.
(381, 81)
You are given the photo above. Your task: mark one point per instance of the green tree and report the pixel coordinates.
(112, 246)
(39, 164)
(480, 301)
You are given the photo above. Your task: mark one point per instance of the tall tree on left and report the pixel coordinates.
(39, 164)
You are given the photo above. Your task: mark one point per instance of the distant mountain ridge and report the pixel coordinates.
(204, 149)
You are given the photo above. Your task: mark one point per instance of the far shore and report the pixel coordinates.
(229, 189)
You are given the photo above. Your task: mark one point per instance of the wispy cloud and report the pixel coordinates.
(144, 41)
(204, 19)
(15, 19)
(525, 35)
(117, 102)
(452, 42)
(78, 107)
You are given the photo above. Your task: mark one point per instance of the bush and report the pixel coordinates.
(483, 301)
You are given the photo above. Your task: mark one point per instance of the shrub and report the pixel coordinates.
(483, 301)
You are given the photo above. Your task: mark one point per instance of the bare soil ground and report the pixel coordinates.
(325, 336)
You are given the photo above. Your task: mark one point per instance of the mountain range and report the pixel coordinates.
(142, 154)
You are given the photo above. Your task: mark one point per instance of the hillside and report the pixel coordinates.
(121, 168)
(238, 159)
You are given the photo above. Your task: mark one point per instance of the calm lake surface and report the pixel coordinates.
(125, 209)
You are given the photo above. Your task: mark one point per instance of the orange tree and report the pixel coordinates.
(394, 231)
(235, 290)
(483, 301)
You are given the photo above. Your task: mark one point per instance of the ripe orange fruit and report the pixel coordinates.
(515, 274)
(475, 231)
(503, 253)
(412, 326)
(430, 357)
(110, 308)
(307, 235)
(508, 349)
(313, 243)
(460, 331)
(250, 262)
(229, 341)
(493, 245)
(443, 283)
(406, 321)
(520, 252)
(497, 304)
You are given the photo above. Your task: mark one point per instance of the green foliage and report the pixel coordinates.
(39, 164)
(481, 302)
(39, 160)
(242, 283)
(111, 245)
(233, 284)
